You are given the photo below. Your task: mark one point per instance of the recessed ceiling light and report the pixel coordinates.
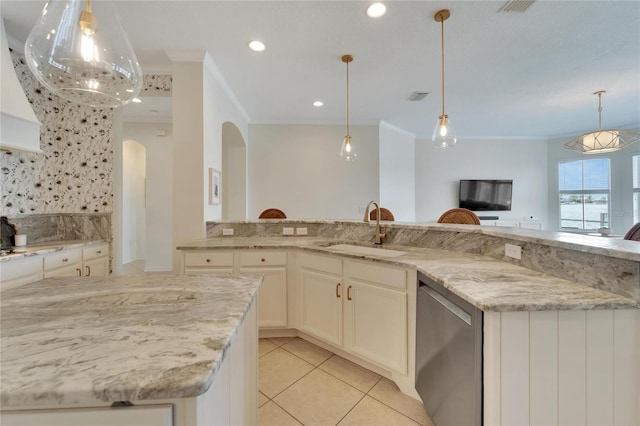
(318, 103)
(136, 100)
(376, 10)
(257, 46)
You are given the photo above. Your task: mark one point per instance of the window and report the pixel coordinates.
(636, 188)
(584, 189)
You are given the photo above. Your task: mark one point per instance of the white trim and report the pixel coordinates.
(181, 55)
(397, 129)
(217, 74)
(315, 123)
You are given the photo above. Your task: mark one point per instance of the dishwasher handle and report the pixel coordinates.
(448, 304)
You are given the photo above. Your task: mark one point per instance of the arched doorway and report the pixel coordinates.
(134, 172)
(234, 173)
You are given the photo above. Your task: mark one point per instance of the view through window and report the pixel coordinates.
(584, 189)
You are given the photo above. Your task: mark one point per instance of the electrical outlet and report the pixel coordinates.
(301, 231)
(513, 251)
(287, 231)
(227, 231)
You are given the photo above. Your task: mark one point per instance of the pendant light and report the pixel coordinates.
(444, 134)
(79, 51)
(601, 141)
(348, 152)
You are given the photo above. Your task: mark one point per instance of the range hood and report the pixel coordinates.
(19, 126)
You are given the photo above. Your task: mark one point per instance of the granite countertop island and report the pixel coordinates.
(95, 340)
(487, 283)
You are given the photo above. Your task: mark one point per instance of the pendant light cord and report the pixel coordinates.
(348, 134)
(442, 41)
(599, 110)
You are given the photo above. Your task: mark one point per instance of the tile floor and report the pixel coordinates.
(303, 384)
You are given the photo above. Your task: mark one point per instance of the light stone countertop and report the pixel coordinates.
(96, 340)
(487, 283)
(47, 248)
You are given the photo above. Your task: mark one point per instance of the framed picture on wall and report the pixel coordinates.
(214, 186)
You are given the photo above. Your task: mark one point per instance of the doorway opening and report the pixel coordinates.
(134, 209)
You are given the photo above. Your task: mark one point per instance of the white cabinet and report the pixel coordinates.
(272, 265)
(17, 272)
(356, 305)
(272, 298)
(513, 223)
(376, 313)
(95, 261)
(80, 262)
(320, 297)
(207, 262)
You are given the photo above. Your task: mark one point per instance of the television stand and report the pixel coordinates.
(488, 217)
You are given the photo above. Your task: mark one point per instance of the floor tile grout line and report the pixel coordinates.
(394, 409)
(285, 410)
(303, 376)
(351, 409)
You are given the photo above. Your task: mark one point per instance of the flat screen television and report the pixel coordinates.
(485, 195)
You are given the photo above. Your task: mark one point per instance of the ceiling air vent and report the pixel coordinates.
(516, 6)
(418, 96)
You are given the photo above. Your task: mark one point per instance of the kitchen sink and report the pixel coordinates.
(361, 250)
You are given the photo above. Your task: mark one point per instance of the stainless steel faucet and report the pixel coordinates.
(380, 234)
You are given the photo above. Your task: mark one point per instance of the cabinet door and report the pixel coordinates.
(272, 297)
(376, 324)
(321, 305)
(70, 270)
(98, 267)
(18, 272)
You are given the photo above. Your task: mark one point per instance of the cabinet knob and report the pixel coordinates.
(337, 290)
(208, 260)
(263, 260)
(99, 251)
(66, 259)
(349, 293)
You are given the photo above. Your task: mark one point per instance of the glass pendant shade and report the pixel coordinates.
(347, 152)
(444, 135)
(79, 51)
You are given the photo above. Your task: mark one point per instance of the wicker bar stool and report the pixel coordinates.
(272, 214)
(385, 214)
(460, 216)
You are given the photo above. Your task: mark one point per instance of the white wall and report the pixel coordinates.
(621, 182)
(438, 173)
(159, 175)
(219, 107)
(234, 176)
(297, 168)
(133, 201)
(397, 172)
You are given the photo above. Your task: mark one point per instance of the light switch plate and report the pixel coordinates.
(227, 231)
(301, 231)
(287, 231)
(513, 251)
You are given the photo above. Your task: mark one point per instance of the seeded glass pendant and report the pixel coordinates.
(444, 135)
(79, 51)
(347, 151)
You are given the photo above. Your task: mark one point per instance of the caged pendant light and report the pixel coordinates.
(601, 141)
(79, 51)
(444, 134)
(348, 152)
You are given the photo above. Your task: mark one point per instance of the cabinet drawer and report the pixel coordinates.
(263, 258)
(371, 273)
(207, 258)
(94, 252)
(326, 264)
(63, 258)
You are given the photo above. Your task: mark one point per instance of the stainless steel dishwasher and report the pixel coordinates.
(448, 356)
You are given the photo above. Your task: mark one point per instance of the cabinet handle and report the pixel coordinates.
(337, 289)
(88, 268)
(66, 259)
(79, 272)
(349, 293)
(208, 260)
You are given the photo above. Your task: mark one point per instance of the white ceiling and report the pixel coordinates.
(528, 74)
